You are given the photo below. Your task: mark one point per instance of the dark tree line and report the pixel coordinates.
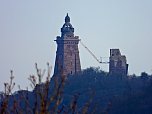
(93, 91)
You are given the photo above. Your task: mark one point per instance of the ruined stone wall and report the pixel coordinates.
(117, 63)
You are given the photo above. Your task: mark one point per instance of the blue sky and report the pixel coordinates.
(28, 29)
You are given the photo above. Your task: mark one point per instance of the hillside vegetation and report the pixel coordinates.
(93, 91)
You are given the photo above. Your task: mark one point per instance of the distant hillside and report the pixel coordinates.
(114, 94)
(93, 91)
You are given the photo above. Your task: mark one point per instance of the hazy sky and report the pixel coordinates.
(28, 29)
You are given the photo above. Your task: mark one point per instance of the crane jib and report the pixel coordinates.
(92, 54)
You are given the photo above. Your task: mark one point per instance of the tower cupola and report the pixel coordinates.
(67, 27)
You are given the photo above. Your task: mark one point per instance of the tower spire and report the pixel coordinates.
(67, 18)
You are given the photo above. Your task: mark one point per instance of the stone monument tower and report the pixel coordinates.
(67, 54)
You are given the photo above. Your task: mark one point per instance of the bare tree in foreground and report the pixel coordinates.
(42, 100)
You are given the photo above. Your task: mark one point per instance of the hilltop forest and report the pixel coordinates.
(93, 91)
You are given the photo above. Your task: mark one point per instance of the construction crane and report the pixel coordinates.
(93, 54)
